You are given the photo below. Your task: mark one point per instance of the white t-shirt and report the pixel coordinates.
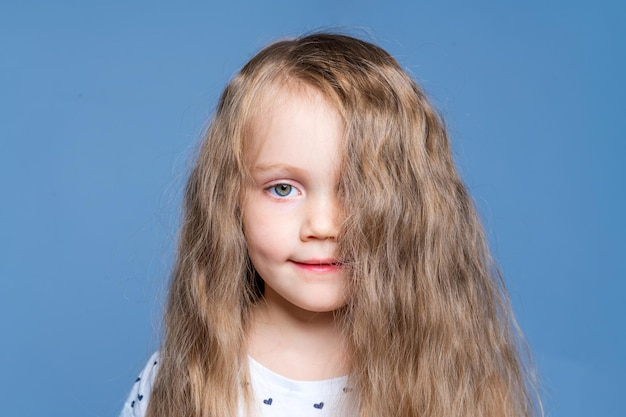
(273, 394)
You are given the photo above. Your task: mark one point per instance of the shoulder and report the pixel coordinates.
(137, 402)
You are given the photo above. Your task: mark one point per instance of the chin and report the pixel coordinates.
(323, 308)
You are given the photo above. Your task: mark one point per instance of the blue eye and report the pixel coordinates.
(281, 190)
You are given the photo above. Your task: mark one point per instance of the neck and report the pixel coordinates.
(296, 343)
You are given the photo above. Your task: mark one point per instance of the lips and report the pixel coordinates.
(318, 265)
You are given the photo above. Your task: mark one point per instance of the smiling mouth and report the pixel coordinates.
(322, 265)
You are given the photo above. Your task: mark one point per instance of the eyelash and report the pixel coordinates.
(272, 190)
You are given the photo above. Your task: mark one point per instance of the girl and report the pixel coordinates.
(330, 260)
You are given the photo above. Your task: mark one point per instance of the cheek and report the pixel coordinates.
(267, 232)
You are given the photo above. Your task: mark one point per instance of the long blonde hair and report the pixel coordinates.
(427, 318)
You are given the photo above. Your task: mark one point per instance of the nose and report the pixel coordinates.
(321, 218)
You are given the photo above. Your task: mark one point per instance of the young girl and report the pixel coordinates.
(330, 260)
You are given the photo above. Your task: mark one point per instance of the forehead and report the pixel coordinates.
(298, 119)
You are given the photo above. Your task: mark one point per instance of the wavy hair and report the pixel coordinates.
(427, 319)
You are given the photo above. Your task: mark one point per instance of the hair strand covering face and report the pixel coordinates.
(427, 317)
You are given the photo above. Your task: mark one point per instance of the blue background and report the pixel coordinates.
(102, 104)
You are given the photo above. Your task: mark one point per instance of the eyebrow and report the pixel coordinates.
(278, 167)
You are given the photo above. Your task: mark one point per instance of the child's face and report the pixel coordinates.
(291, 209)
